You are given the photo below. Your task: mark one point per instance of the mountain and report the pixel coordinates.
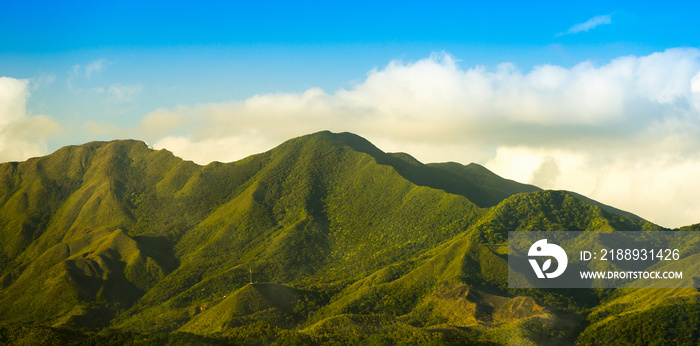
(325, 238)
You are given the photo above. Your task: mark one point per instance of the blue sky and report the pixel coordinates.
(213, 51)
(596, 97)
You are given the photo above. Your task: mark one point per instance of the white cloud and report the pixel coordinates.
(13, 97)
(588, 25)
(21, 135)
(582, 128)
(201, 151)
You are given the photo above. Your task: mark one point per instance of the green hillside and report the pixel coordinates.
(324, 239)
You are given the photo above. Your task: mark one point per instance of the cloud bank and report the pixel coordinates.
(21, 136)
(626, 133)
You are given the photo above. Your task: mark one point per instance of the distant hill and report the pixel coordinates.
(343, 243)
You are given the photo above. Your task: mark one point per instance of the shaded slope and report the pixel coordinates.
(472, 181)
(605, 207)
(85, 280)
(553, 211)
(487, 187)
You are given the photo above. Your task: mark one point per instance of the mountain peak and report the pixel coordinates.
(328, 138)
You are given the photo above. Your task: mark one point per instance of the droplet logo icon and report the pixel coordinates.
(541, 248)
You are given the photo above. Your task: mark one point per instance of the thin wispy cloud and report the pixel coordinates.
(79, 72)
(95, 67)
(124, 92)
(588, 25)
(42, 81)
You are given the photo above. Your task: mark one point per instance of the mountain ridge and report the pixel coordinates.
(138, 240)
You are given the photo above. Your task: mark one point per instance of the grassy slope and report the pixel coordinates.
(319, 214)
(117, 230)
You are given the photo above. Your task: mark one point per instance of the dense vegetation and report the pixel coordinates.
(323, 240)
